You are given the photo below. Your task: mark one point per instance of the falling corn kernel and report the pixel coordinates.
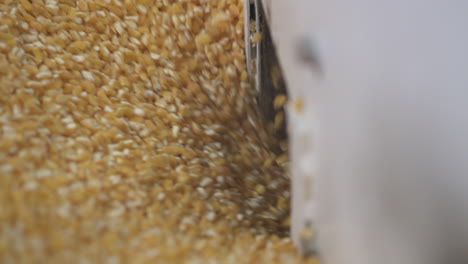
(252, 26)
(279, 101)
(276, 76)
(298, 105)
(257, 37)
(279, 120)
(282, 159)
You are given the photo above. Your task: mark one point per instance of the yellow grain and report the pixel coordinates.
(298, 105)
(129, 133)
(279, 101)
(257, 37)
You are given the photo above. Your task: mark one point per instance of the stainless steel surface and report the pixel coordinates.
(263, 63)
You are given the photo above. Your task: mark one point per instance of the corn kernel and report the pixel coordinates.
(202, 39)
(257, 37)
(279, 101)
(298, 105)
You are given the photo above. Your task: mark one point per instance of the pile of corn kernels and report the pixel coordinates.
(129, 134)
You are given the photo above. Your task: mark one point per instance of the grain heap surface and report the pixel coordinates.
(128, 134)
